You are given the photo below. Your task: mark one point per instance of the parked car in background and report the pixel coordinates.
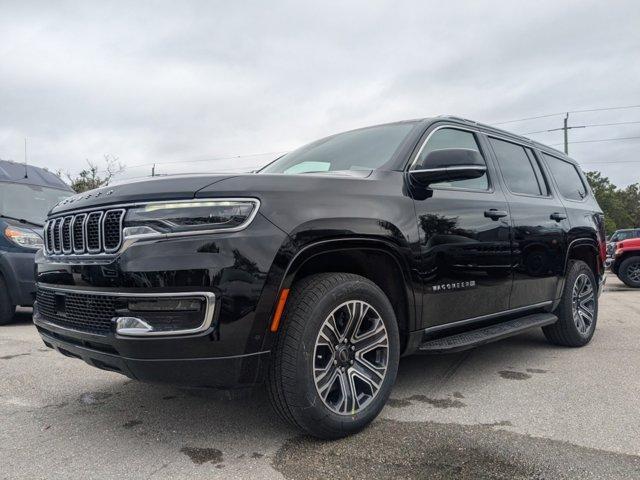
(618, 236)
(318, 272)
(27, 194)
(626, 262)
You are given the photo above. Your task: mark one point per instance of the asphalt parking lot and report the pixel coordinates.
(517, 409)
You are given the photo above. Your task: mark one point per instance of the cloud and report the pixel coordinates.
(177, 84)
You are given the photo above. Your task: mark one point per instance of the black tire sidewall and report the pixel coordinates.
(316, 414)
(566, 307)
(622, 271)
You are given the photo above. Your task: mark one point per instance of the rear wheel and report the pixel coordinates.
(7, 309)
(578, 309)
(336, 356)
(629, 271)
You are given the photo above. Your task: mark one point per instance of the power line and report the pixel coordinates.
(610, 163)
(583, 126)
(599, 140)
(568, 111)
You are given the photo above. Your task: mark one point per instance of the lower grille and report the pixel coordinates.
(78, 311)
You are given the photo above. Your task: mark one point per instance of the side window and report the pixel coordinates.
(453, 138)
(542, 181)
(567, 177)
(517, 166)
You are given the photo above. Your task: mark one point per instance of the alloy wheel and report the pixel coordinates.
(633, 272)
(350, 358)
(583, 300)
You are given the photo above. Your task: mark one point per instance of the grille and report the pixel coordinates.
(111, 228)
(81, 311)
(78, 232)
(92, 233)
(92, 230)
(66, 234)
(57, 247)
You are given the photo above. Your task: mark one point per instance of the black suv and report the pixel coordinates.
(318, 272)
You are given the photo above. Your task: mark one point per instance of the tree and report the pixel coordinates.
(93, 177)
(621, 207)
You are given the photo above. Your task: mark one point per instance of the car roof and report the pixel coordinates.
(29, 175)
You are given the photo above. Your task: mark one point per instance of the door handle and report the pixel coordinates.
(494, 214)
(557, 216)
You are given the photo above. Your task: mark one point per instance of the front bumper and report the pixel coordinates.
(153, 360)
(240, 269)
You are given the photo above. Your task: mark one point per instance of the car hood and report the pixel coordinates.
(172, 187)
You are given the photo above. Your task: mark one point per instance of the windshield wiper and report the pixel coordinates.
(21, 220)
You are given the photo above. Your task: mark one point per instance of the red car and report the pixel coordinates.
(626, 262)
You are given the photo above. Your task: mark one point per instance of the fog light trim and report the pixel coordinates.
(132, 326)
(142, 331)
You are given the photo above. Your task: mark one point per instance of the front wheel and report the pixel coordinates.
(578, 309)
(629, 272)
(336, 357)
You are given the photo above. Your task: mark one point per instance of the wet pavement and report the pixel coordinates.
(517, 409)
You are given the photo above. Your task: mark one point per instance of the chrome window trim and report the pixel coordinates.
(210, 300)
(490, 188)
(123, 212)
(440, 127)
(86, 236)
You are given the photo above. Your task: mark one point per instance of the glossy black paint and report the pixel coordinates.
(431, 237)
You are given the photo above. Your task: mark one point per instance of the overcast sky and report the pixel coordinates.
(183, 83)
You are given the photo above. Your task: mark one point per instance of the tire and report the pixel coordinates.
(301, 355)
(7, 309)
(629, 271)
(576, 319)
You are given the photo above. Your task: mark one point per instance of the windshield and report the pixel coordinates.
(623, 235)
(28, 202)
(364, 149)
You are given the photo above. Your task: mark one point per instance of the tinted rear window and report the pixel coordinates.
(567, 177)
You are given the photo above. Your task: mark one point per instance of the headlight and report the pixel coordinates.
(192, 217)
(24, 237)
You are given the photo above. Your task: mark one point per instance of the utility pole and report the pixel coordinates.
(565, 130)
(566, 134)
(26, 174)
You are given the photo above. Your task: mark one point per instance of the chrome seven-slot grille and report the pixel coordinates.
(91, 233)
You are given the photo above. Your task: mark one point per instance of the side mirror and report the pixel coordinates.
(449, 164)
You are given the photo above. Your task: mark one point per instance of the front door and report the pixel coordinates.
(465, 248)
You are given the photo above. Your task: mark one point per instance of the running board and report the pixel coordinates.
(474, 338)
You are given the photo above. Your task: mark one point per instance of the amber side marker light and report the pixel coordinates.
(275, 323)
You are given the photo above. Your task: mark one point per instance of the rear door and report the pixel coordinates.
(539, 224)
(464, 238)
